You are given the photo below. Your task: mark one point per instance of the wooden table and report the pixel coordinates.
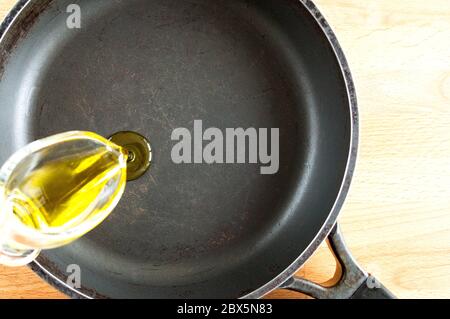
(397, 217)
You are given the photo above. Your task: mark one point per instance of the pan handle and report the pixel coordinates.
(353, 282)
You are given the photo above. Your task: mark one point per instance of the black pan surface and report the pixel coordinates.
(194, 230)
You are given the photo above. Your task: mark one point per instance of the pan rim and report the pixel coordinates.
(331, 220)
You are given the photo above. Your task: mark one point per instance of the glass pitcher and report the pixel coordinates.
(55, 190)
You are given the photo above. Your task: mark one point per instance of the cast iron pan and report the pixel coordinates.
(190, 231)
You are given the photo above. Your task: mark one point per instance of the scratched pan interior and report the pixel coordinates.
(189, 230)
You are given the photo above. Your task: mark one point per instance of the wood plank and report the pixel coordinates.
(397, 217)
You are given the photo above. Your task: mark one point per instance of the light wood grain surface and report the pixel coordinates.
(397, 217)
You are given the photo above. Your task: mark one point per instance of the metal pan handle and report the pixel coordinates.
(353, 282)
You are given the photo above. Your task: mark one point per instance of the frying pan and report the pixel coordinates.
(150, 66)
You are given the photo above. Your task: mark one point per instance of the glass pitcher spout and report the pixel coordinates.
(55, 190)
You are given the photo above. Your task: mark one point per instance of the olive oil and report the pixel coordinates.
(56, 189)
(139, 152)
(67, 184)
(59, 192)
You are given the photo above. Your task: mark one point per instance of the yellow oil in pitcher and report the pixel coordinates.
(59, 192)
(56, 189)
(67, 183)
